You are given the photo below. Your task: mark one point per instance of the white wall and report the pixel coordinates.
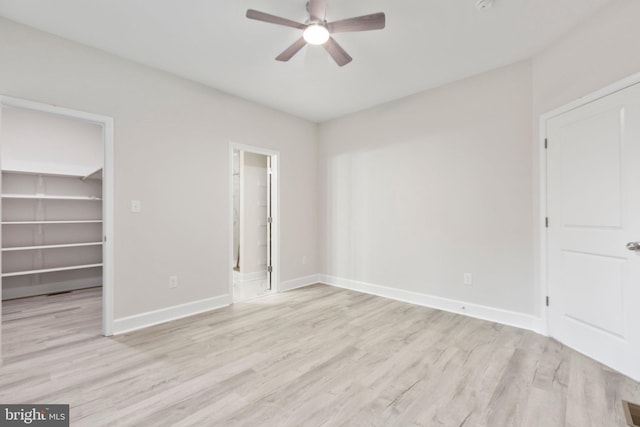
(172, 152)
(601, 51)
(419, 191)
(34, 141)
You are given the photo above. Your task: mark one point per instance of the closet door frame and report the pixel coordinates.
(107, 194)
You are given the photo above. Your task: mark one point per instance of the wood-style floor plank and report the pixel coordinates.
(315, 356)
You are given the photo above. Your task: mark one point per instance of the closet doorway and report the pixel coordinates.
(57, 209)
(254, 215)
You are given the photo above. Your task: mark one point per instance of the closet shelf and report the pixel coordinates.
(81, 221)
(51, 270)
(46, 197)
(92, 174)
(48, 174)
(35, 205)
(64, 245)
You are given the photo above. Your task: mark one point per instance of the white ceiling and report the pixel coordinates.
(426, 43)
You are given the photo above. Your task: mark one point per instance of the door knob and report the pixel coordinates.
(633, 246)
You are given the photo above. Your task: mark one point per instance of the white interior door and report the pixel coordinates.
(593, 196)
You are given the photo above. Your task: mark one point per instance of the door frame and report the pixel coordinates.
(108, 185)
(542, 180)
(275, 211)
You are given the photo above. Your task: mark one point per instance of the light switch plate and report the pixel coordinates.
(136, 206)
(468, 279)
(173, 282)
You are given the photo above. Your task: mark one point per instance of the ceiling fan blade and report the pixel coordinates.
(291, 50)
(375, 21)
(337, 52)
(272, 19)
(317, 9)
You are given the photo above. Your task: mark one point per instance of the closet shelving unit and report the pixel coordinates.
(51, 224)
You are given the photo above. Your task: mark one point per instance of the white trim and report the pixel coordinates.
(108, 186)
(492, 314)
(542, 177)
(301, 282)
(542, 227)
(248, 277)
(49, 288)
(594, 96)
(53, 109)
(275, 209)
(155, 317)
(1, 352)
(108, 218)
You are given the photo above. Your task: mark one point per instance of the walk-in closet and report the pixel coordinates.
(52, 227)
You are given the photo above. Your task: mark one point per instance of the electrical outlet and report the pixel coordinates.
(304, 260)
(173, 282)
(468, 279)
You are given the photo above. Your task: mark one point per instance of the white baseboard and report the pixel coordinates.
(497, 315)
(50, 288)
(247, 277)
(540, 326)
(300, 282)
(505, 317)
(139, 321)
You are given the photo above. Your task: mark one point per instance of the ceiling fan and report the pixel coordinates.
(317, 31)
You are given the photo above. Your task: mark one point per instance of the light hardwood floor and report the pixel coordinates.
(314, 356)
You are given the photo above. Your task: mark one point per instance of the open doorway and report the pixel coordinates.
(57, 189)
(254, 222)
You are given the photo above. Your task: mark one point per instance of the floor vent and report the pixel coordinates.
(632, 412)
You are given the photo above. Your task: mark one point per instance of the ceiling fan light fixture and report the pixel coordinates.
(317, 31)
(316, 34)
